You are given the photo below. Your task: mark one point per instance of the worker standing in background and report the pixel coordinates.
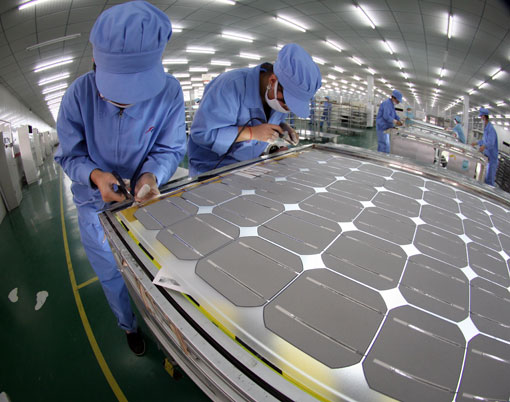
(409, 117)
(489, 146)
(126, 116)
(241, 110)
(387, 118)
(457, 130)
(326, 112)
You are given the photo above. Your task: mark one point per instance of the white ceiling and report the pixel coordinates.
(415, 29)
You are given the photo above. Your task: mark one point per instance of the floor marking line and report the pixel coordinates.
(86, 283)
(83, 315)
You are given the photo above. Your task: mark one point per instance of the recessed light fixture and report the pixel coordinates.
(450, 26)
(355, 60)
(252, 56)
(496, 74)
(333, 45)
(52, 64)
(197, 49)
(54, 95)
(221, 62)
(236, 36)
(181, 75)
(53, 78)
(54, 88)
(371, 71)
(229, 2)
(388, 46)
(291, 23)
(30, 4)
(318, 60)
(175, 61)
(365, 15)
(53, 41)
(339, 69)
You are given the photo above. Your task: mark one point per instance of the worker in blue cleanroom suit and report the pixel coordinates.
(409, 117)
(312, 111)
(126, 116)
(489, 146)
(458, 132)
(326, 112)
(241, 110)
(387, 118)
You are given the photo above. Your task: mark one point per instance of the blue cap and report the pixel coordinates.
(458, 119)
(483, 112)
(397, 95)
(128, 42)
(300, 78)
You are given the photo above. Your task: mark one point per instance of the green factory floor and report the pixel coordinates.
(59, 337)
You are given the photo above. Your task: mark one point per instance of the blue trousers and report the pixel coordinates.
(492, 168)
(383, 142)
(101, 258)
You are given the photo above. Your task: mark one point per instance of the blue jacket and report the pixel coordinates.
(460, 133)
(95, 134)
(230, 101)
(386, 115)
(490, 141)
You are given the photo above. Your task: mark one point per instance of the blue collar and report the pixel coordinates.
(135, 111)
(252, 98)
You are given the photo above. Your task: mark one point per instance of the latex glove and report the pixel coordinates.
(263, 132)
(105, 182)
(146, 187)
(291, 136)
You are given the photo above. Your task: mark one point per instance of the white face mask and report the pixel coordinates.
(273, 103)
(119, 105)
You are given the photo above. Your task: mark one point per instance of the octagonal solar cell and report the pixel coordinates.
(487, 362)
(447, 191)
(312, 178)
(481, 234)
(442, 245)
(441, 201)
(441, 218)
(285, 192)
(505, 242)
(404, 188)
(388, 225)
(366, 178)
(249, 271)
(351, 189)
(164, 213)
(470, 200)
(242, 182)
(375, 169)
(341, 161)
(197, 236)
(416, 356)
(494, 209)
(397, 203)
(300, 231)
(248, 210)
(490, 308)
(408, 178)
(366, 259)
(322, 156)
(332, 206)
(488, 264)
(475, 214)
(502, 224)
(436, 287)
(337, 337)
(210, 194)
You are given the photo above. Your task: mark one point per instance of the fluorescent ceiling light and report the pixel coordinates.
(441, 73)
(388, 46)
(439, 82)
(204, 50)
(229, 2)
(365, 15)
(197, 69)
(252, 65)
(333, 77)
(52, 64)
(339, 69)
(501, 103)
(450, 26)
(181, 75)
(54, 101)
(496, 74)
(250, 56)
(344, 81)
(405, 75)
(399, 64)
(318, 60)
(371, 71)
(356, 78)
(355, 60)
(291, 23)
(175, 61)
(279, 47)
(196, 79)
(480, 86)
(197, 84)
(187, 88)
(53, 78)
(333, 45)
(221, 63)
(30, 4)
(382, 80)
(53, 41)
(236, 36)
(54, 88)
(507, 116)
(185, 82)
(54, 96)
(471, 91)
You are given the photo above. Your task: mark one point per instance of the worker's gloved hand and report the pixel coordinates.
(289, 134)
(266, 132)
(105, 183)
(146, 187)
(398, 123)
